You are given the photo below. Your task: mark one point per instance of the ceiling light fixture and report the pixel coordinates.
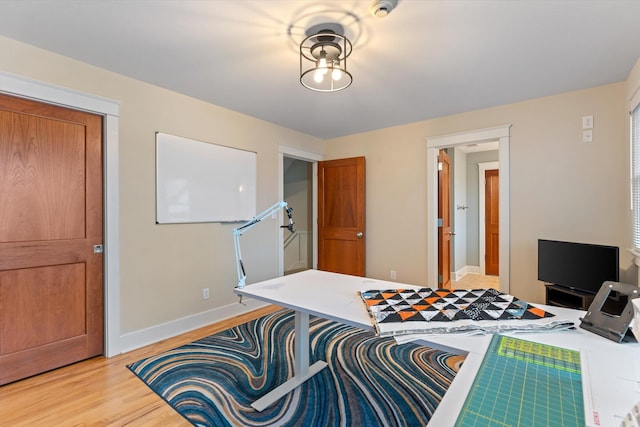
(381, 8)
(323, 58)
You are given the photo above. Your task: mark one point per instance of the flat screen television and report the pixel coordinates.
(579, 266)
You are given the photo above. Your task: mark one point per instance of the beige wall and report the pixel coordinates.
(164, 267)
(561, 188)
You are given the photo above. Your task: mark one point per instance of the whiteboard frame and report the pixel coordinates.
(200, 174)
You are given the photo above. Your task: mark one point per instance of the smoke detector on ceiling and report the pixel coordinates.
(381, 8)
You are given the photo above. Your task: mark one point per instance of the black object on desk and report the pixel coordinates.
(611, 311)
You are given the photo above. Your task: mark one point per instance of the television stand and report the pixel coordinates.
(560, 296)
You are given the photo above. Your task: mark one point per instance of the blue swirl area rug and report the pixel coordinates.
(369, 381)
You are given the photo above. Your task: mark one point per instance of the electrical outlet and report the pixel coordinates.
(587, 135)
(587, 122)
(205, 293)
(393, 274)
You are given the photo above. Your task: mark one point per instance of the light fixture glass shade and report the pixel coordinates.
(323, 61)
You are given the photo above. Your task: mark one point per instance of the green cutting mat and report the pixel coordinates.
(525, 384)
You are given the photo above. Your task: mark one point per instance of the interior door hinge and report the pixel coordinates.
(439, 222)
(98, 249)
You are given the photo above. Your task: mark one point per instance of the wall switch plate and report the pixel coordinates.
(587, 135)
(587, 122)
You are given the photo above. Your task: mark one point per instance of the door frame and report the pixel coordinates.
(482, 167)
(478, 136)
(24, 87)
(313, 158)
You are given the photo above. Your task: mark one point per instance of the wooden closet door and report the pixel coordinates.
(51, 281)
(444, 216)
(492, 222)
(341, 216)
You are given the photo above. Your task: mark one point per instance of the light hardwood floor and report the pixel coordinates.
(100, 391)
(476, 281)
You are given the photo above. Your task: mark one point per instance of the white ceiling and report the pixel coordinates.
(426, 59)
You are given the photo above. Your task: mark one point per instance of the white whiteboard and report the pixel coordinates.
(201, 182)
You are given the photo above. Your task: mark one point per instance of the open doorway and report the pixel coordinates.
(298, 193)
(298, 170)
(499, 135)
(474, 214)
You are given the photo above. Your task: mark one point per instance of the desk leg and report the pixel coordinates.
(301, 365)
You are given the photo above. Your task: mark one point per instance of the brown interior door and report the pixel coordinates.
(444, 221)
(341, 216)
(492, 222)
(51, 281)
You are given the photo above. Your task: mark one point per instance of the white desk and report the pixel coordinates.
(611, 371)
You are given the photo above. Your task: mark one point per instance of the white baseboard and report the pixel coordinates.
(143, 337)
(467, 269)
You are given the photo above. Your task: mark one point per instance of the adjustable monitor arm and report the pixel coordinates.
(239, 231)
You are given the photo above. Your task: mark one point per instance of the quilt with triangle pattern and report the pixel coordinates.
(471, 311)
